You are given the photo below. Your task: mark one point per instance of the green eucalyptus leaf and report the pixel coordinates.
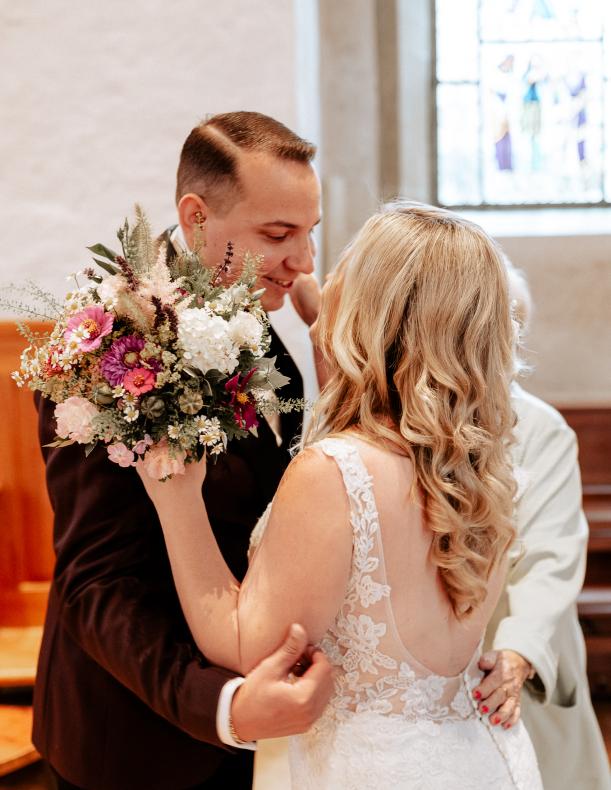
(108, 267)
(265, 363)
(268, 373)
(277, 379)
(105, 252)
(258, 380)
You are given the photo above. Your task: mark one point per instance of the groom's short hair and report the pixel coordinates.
(208, 163)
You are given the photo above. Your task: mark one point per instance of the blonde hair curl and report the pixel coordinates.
(417, 332)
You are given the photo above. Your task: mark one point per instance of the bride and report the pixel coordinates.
(387, 537)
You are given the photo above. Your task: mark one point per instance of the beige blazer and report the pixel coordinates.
(537, 613)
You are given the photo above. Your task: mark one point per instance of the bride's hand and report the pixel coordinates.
(305, 296)
(181, 486)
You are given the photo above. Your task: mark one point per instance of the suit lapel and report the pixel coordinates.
(170, 252)
(291, 422)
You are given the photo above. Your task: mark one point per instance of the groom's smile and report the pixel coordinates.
(286, 284)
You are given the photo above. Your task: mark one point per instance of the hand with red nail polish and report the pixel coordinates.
(499, 692)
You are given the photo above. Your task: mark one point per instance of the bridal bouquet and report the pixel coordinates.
(159, 361)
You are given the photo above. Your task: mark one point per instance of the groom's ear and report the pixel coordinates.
(192, 215)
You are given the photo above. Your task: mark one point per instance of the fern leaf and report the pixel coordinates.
(141, 245)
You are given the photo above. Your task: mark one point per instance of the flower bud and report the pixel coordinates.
(102, 394)
(153, 407)
(190, 402)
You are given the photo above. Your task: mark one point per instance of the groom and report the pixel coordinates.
(123, 698)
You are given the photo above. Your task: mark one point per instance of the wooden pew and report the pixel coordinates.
(593, 428)
(26, 552)
(26, 549)
(16, 750)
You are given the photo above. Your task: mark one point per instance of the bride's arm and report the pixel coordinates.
(298, 574)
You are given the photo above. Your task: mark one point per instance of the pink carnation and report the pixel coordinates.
(95, 322)
(139, 380)
(120, 454)
(161, 461)
(75, 419)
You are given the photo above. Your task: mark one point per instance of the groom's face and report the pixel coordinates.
(274, 215)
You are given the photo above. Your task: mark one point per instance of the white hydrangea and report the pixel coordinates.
(206, 341)
(246, 331)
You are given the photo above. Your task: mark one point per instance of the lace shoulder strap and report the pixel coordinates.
(357, 480)
(366, 588)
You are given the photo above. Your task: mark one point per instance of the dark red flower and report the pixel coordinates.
(243, 403)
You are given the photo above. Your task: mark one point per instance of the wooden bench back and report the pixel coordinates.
(26, 548)
(593, 428)
(592, 424)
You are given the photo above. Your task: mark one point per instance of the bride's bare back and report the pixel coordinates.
(425, 622)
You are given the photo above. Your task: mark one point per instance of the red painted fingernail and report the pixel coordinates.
(507, 726)
(477, 694)
(484, 709)
(494, 720)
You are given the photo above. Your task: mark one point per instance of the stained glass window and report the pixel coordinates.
(523, 102)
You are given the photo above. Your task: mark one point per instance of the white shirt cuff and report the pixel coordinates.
(223, 713)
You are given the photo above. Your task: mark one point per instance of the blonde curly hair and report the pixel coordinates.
(417, 333)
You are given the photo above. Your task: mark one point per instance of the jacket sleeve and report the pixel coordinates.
(548, 565)
(113, 582)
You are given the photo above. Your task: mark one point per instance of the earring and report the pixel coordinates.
(199, 232)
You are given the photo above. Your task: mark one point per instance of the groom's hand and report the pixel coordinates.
(270, 704)
(498, 695)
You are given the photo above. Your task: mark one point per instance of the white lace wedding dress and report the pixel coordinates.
(392, 723)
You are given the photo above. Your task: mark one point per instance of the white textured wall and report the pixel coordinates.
(570, 338)
(97, 98)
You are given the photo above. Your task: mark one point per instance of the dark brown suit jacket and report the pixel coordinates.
(123, 698)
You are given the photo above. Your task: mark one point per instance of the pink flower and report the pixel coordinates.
(161, 461)
(140, 447)
(139, 380)
(91, 325)
(75, 419)
(124, 355)
(120, 454)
